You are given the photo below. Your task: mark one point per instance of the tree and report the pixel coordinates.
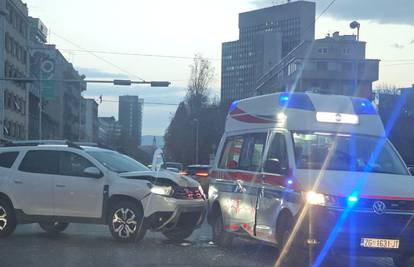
(201, 77)
(396, 109)
(180, 137)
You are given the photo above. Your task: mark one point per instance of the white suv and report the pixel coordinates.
(57, 183)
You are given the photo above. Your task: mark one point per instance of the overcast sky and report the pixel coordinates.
(185, 27)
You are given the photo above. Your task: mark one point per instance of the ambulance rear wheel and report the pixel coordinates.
(220, 237)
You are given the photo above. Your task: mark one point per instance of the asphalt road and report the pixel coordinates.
(91, 245)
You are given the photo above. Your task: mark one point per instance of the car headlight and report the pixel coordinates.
(314, 198)
(162, 190)
(318, 199)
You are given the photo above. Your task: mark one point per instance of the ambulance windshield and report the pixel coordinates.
(346, 153)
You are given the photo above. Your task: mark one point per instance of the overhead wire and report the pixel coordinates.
(97, 56)
(135, 54)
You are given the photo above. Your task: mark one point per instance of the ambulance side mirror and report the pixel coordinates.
(272, 166)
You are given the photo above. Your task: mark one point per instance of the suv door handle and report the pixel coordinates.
(18, 181)
(60, 185)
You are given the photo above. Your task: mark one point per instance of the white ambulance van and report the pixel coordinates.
(313, 173)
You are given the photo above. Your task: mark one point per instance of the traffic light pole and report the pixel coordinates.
(114, 82)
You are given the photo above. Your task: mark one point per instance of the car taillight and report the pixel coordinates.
(202, 174)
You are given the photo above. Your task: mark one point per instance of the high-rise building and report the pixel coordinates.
(333, 65)
(89, 120)
(130, 119)
(265, 37)
(109, 133)
(13, 64)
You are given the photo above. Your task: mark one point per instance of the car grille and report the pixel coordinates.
(367, 204)
(187, 193)
(364, 223)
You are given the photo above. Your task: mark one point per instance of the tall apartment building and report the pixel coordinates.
(13, 64)
(130, 119)
(265, 37)
(333, 65)
(109, 133)
(89, 120)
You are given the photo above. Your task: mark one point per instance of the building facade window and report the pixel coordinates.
(323, 50)
(347, 66)
(7, 42)
(322, 66)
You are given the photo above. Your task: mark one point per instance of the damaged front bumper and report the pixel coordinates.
(165, 214)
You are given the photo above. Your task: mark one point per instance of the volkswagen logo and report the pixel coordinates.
(379, 207)
(338, 117)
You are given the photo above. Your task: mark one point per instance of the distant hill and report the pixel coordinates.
(147, 140)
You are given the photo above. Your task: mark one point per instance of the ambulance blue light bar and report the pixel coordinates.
(233, 106)
(296, 100)
(352, 199)
(363, 107)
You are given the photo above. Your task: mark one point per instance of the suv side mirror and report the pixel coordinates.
(272, 166)
(411, 170)
(92, 172)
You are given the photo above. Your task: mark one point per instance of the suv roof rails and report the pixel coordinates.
(41, 142)
(92, 144)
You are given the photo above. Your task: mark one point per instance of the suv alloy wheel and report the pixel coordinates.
(7, 219)
(126, 222)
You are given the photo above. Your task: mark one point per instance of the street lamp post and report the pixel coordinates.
(356, 25)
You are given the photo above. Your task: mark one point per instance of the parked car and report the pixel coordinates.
(174, 166)
(57, 183)
(199, 173)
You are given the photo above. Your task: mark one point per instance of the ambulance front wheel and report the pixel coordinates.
(220, 237)
(290, 252)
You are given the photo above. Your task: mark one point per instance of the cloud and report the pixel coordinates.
(381, 11)
(95, 73)
(412, 41)
(397, 46)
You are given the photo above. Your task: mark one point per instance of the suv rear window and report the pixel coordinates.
(7, 159)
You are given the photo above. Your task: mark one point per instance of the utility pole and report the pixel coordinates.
(40, 112)
(196, 122)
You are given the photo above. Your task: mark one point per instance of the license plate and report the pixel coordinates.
(380, 243)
